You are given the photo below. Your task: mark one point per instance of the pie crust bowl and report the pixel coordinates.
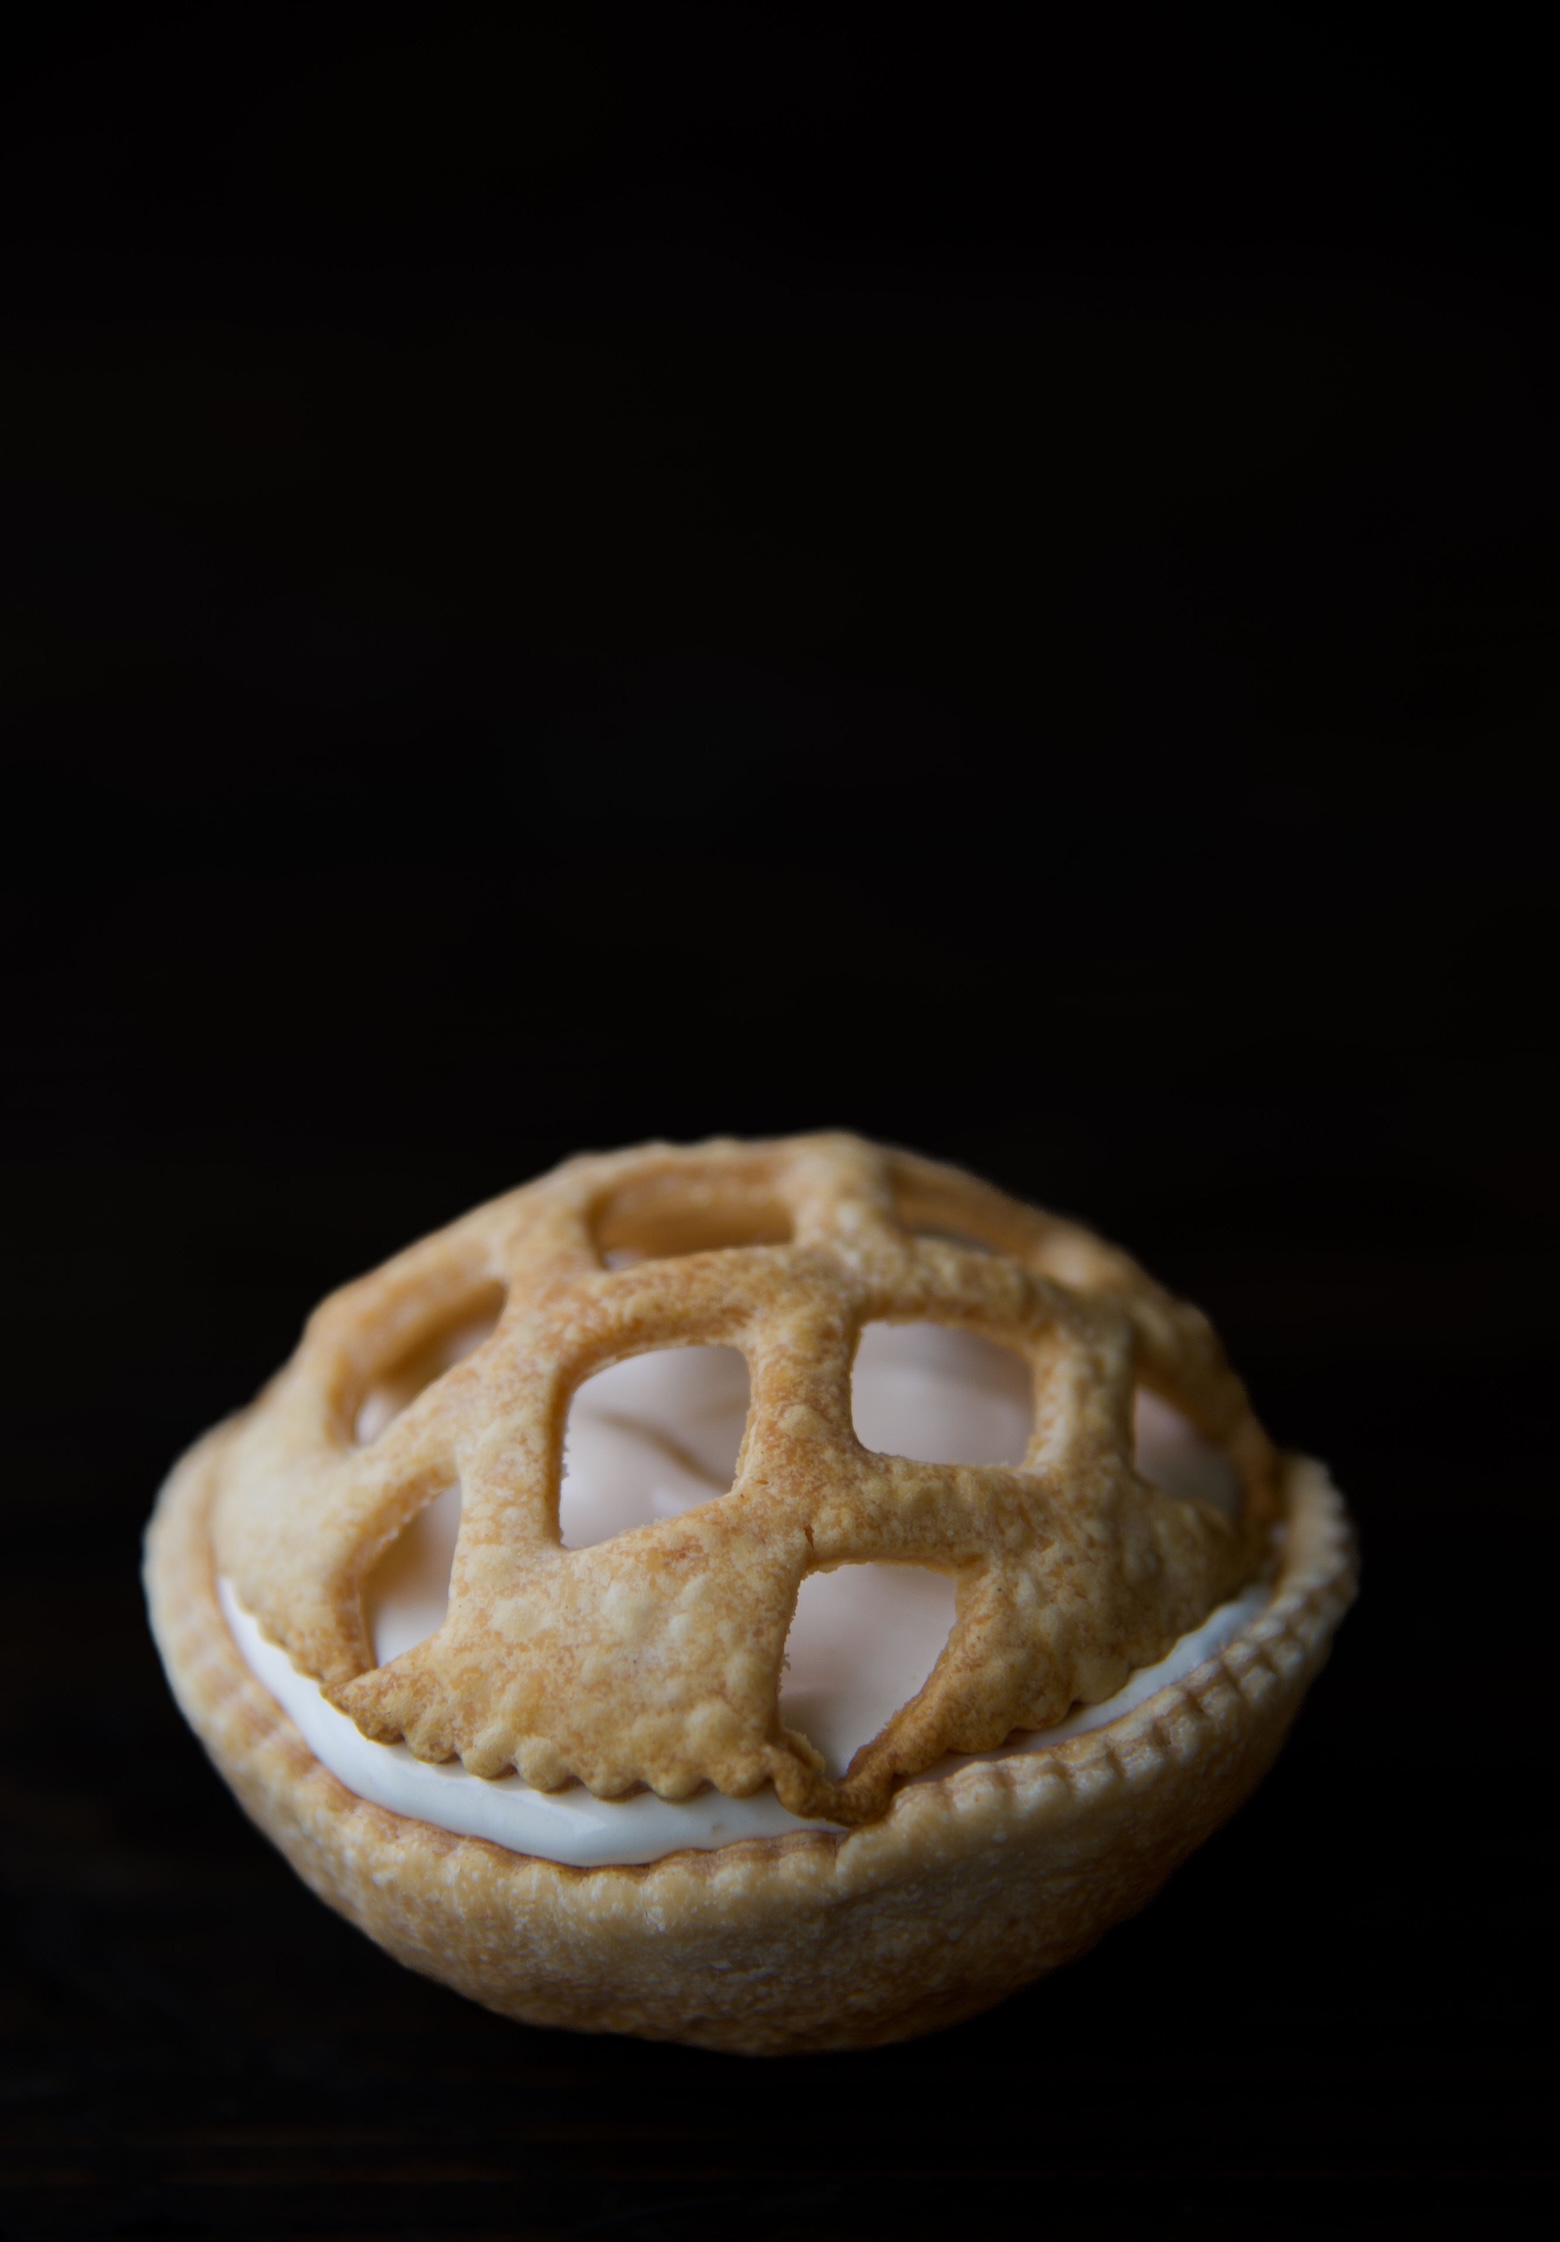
(974, 1883)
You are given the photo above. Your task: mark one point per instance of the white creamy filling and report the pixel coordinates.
(652, 1437)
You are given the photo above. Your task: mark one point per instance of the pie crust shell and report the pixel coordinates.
(972, 1883)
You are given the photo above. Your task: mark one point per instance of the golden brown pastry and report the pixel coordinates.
(649, 1666)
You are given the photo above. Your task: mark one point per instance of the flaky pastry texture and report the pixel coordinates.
(977, 1880)
(655, 1658)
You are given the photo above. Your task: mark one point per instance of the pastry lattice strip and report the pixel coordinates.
(655, 1658)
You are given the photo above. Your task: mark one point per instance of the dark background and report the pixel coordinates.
(576, 574)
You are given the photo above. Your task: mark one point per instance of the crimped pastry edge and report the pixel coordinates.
(975, 1882)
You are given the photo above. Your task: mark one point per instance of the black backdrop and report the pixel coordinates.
(578, 574)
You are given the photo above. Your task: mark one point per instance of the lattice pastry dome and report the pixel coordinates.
(655, 1658)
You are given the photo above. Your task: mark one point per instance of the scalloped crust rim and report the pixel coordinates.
(973, 1884)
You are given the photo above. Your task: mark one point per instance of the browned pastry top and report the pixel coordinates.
(655, 1658)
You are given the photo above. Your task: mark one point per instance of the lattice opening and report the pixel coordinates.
(650, 1438)
(1173, 1455)
(407, 1593)
(941, 1396)
(657, 1223)
(456, 1335)
(965, 1240)
(861, 1645)
(979, 1219)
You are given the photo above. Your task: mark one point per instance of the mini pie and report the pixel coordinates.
(654, 1660)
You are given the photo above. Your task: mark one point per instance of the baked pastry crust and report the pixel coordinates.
(974, 1881)
(655, 1658)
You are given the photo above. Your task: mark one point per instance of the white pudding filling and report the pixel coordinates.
(652, 1437)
